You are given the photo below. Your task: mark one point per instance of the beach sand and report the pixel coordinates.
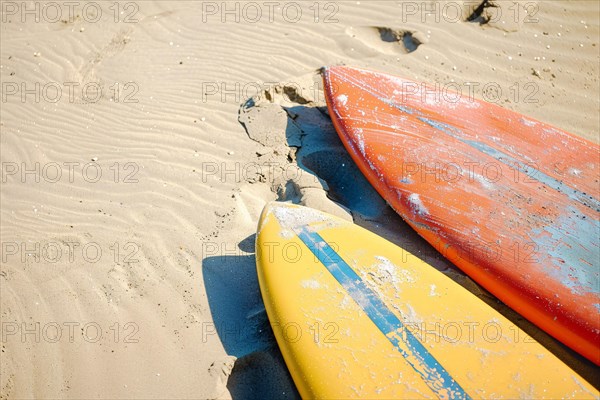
(140, 141)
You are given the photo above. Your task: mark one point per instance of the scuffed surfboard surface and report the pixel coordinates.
(510, 200)
(356, 316)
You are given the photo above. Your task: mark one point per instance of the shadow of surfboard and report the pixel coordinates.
(243, 327)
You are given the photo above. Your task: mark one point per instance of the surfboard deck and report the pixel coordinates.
(511, 201)
(355, 316)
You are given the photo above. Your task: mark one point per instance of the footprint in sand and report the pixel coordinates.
(502, 15)
(314, 168)
(370, 40)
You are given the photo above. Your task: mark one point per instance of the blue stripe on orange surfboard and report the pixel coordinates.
(512, 162)
(574, 194)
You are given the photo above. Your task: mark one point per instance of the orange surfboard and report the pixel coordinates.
(513, 202)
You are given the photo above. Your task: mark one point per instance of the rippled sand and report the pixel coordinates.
(134, 173)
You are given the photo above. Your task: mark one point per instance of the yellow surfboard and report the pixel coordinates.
(355, 316)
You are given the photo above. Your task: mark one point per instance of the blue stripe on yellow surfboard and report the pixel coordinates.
(431, 371)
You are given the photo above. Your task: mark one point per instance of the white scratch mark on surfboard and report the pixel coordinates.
(411, 315)
(473, 105)
(485, 182)
(575, 171)
(360, 141)
(527, 122)
(395, 273)
(310, 284)
(432, 291)
(431, 101)
(584, 387)
(387, 271)
(416, 205)
(291, 218)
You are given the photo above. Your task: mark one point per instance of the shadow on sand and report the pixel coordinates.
(243, 327)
